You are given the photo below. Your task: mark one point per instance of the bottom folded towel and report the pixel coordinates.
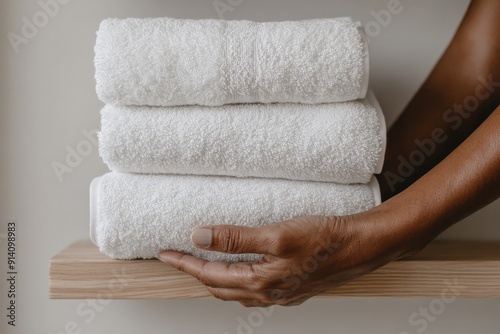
(137, 216)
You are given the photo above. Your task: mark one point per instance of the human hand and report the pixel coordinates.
(302, 257)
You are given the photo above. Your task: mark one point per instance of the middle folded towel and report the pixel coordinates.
(337, 142)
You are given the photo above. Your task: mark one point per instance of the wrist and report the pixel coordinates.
(402, 225)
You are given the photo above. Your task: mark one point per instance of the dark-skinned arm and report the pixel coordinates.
(460, 93)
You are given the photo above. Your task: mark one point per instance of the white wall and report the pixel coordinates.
(48, 99)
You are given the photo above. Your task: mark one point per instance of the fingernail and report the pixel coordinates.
(202, 237)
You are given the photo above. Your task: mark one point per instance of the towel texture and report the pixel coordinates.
(170, 62)
(137, 216)
(336, 142)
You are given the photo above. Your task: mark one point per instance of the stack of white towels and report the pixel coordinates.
(211, 122)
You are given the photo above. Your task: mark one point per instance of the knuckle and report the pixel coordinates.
(260, 284)
(182, 264)
(229, 239)
(202, 277)
(280, 247)
(217, 294)
(255, 285)
(253, 280)
(281, 244)
(266, 299)
(203, 280)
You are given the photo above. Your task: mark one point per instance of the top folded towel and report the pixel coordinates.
(171, 62)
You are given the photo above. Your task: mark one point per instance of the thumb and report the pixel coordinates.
(235, 239)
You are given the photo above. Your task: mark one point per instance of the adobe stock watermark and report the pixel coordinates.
(420, 320)
(224, 6)
(74, 156)
(427, 146)
(382, 18)
(87, 310)
(257, 316)
(31, 26)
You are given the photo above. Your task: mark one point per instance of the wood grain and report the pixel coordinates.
(466, 269)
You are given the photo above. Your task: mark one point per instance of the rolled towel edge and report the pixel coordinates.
(93, 193)
(375, 187)
(370, 97)
(366, 62)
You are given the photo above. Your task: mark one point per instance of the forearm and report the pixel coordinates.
(467, 180)
(459, 94)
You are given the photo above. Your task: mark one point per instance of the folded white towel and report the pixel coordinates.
(335, 142)
(168, 62)
(137, 216)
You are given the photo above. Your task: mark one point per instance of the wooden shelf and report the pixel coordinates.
(473, 268)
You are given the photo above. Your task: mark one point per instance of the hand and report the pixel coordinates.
(302, 257)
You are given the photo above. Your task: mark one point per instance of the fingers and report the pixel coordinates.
(233, 282)
(215, 274)
(238, 239)
(285, 245)
(263, 299)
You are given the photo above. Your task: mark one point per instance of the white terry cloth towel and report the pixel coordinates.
(171, 62)
(335, 142)
(137, 216)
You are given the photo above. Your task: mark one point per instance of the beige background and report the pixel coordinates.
(48, 99)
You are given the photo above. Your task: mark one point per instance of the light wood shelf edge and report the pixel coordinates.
(466, 269)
